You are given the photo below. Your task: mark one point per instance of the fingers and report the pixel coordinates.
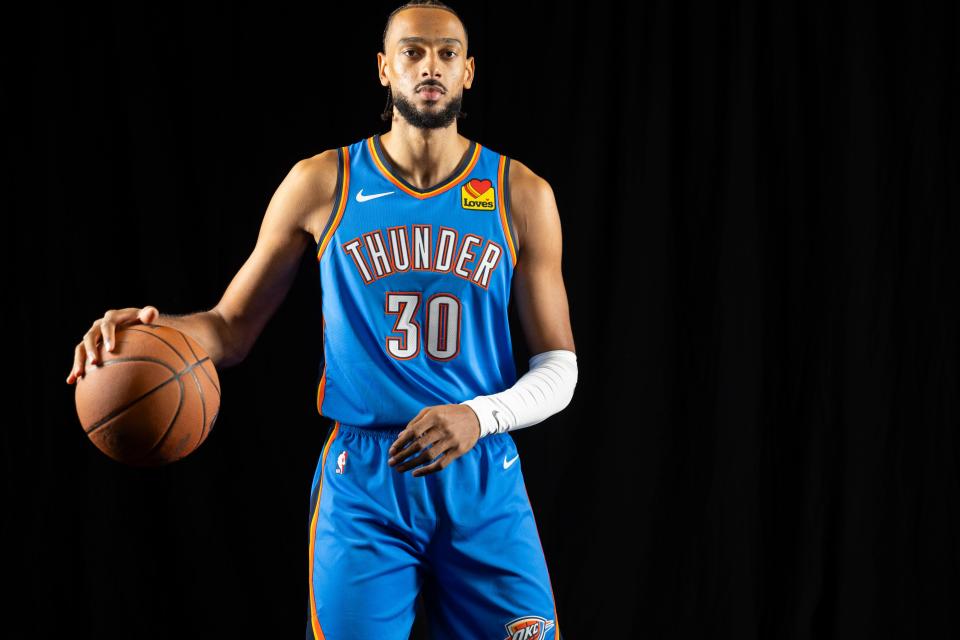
(148, 314)
(105, 329)
(108, 327)
(420, 442)
(434, 452)
(441, 461)
(409, 433)
(90, 342)
(78, 357)
(113, 318)
(420, 416)
(85, 353)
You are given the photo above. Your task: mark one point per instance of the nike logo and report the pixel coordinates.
(363, 198)
(506, 465)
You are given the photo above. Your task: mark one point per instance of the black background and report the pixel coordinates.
(759, 208)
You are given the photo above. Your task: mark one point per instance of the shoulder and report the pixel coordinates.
(526, 183)
(313, 181)
(532, 202)
(318, 172)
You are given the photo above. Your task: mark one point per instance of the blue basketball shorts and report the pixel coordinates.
(464, 535)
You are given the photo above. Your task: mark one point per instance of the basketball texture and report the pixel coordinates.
(152, 400)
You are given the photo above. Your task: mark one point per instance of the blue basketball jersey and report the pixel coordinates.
(415, 288)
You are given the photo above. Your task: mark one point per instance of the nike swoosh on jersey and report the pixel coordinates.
(363, 198)
(506, 465)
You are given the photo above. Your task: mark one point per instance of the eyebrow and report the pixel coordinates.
(410, 39)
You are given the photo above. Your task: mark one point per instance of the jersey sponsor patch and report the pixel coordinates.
(478, 195)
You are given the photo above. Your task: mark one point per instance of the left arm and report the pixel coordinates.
(538, 281)
(547, 387)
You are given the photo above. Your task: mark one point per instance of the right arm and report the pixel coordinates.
(298, 210)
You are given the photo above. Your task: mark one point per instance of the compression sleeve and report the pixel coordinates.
(541, 392)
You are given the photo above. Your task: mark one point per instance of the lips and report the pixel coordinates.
(431, 93)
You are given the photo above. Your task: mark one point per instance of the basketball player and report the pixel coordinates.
(419, 234)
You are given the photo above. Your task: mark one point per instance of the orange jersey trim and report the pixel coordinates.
(556, 620)
(426, 194)
(340, 204)
(502, 206)
(314, 621)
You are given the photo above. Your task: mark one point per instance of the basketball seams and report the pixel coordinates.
(172, 359)
(198, 359)
(166, 342)
(203, 402)
(173, 421)
(213, 383)
(203, 398)
(110, 416)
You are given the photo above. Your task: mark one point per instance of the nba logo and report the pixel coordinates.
(341, 460)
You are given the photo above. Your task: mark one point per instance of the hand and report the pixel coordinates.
(451, 429)
(105, 327)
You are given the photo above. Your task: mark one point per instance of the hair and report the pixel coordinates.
(387, 114)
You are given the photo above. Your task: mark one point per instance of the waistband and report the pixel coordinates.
(391, 433)
(383, 433)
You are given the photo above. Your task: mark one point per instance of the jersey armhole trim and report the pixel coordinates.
(322, 377)
(506, 215)
(339, 199)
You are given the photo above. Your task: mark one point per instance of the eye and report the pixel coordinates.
(406, 51)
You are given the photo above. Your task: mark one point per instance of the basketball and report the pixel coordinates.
(152, 400)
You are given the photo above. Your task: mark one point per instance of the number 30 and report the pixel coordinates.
(442, 325)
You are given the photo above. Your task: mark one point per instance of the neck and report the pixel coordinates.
(423, 157)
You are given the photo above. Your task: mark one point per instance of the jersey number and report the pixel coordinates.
(442, 327)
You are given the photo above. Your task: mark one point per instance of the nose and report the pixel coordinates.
(431, 65)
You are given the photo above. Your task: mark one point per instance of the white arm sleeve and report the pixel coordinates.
(541, 392)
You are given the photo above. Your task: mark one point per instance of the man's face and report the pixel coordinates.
(426, 66)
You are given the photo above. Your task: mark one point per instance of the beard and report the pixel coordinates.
(430, 117)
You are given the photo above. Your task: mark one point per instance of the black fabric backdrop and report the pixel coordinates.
(759, 206)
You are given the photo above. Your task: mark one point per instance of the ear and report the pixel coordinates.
(468, 73)
(382, 69)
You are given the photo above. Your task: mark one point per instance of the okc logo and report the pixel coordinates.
(478, 195)
(341, 461)
(528, 628)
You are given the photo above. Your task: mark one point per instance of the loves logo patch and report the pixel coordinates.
(478, 195)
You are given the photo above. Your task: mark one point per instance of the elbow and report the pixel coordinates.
(558, 370)
(233, 349)
(225, 359)
(571, 387)
(568, 378)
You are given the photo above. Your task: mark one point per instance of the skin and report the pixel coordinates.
(299, 209)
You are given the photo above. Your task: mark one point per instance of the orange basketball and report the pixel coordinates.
(152, 400)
